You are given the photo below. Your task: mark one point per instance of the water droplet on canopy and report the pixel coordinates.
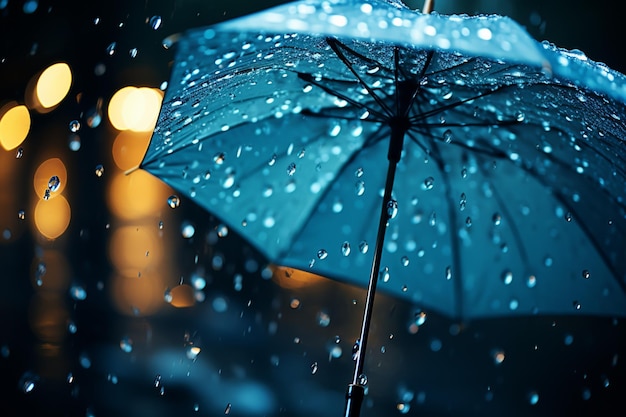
(173, 201)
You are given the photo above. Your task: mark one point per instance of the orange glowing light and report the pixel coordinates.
(136, 195)
(129, 148)
(294, 278)
(48, 316)
(133, 249)
(48, 88)
(14, 125)
(52, 217)
(182, 296)
(138, 296)
(48, 169)
(135, 108)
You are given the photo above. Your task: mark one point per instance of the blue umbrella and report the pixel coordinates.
(484, 169)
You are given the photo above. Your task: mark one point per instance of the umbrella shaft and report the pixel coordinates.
(373, 279)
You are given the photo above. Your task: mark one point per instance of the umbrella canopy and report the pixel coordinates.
(509, 193)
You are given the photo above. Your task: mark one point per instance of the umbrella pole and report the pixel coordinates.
(356, 390)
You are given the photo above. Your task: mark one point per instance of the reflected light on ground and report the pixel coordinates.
(129, 148)
(45, 171)
(182, 296)
(52, 217)
(48, 89)
(134, 249)
(135, 108)
(138, 296)
(48, 316)
(14, 125)
(136, 195)
(294, 278)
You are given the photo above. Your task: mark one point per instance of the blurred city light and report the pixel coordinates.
(135, 108)
(48, 88)
(52, 167)
(14, 125)
(52, 217)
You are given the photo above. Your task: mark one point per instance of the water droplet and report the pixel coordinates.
(345, 248)
(392, 209)
(291, 169)
(28, 382)
(533, 397)
(74, 126)
(405, 261)
(272, 160)
(219, 158)
(78, 293)
(507, 277)
(21, 214)
(160, 224)
(155, 22)
(464, 173)
(126, 344)
(314, 368)
(468, 222)
(99, 170)
(462, 202)
(362, 380)
(323, 319)
(19, 153)
(447, 136)
(448, 272)
(384, 274)
(173, 201)
(187, 230)
(531, 281)
(498, 357)
(54, 183)
(133, 52)
(111, 48)
(222, 230)
(229, 406)
(74, 142)
(359, 172)
(307, 88)
(576, 305)
(363, 247)
(429, 183)
(322, 254)
(496, 219)
(360, 188)
(568, 217)
(586, 274)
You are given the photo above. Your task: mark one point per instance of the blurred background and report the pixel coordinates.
(120, 298)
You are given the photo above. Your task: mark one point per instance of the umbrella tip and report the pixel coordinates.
(429, 5)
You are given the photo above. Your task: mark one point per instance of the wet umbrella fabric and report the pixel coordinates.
(498, 161)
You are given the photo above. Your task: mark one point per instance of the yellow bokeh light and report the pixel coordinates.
(129, 148)
(182, 296)
(133, 249)
(14, 125)
(48, 169)
(136, 195)
(53, 85)
(52, 217)
(135, 108)
(138, 296)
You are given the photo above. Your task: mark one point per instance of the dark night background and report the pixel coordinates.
(266, 346)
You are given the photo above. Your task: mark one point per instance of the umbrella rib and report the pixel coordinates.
(488, 151)
(309, 78)
(334, 44)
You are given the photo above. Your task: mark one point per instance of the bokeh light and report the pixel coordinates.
(182, 296)
(136, 195)
(129, 148)
(135, 108)
(52, 217)
(14, 125)
(46, 170)
(133, 249)
(138, 296)
(49, 88)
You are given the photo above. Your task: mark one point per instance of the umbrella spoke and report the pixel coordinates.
(334, 44)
